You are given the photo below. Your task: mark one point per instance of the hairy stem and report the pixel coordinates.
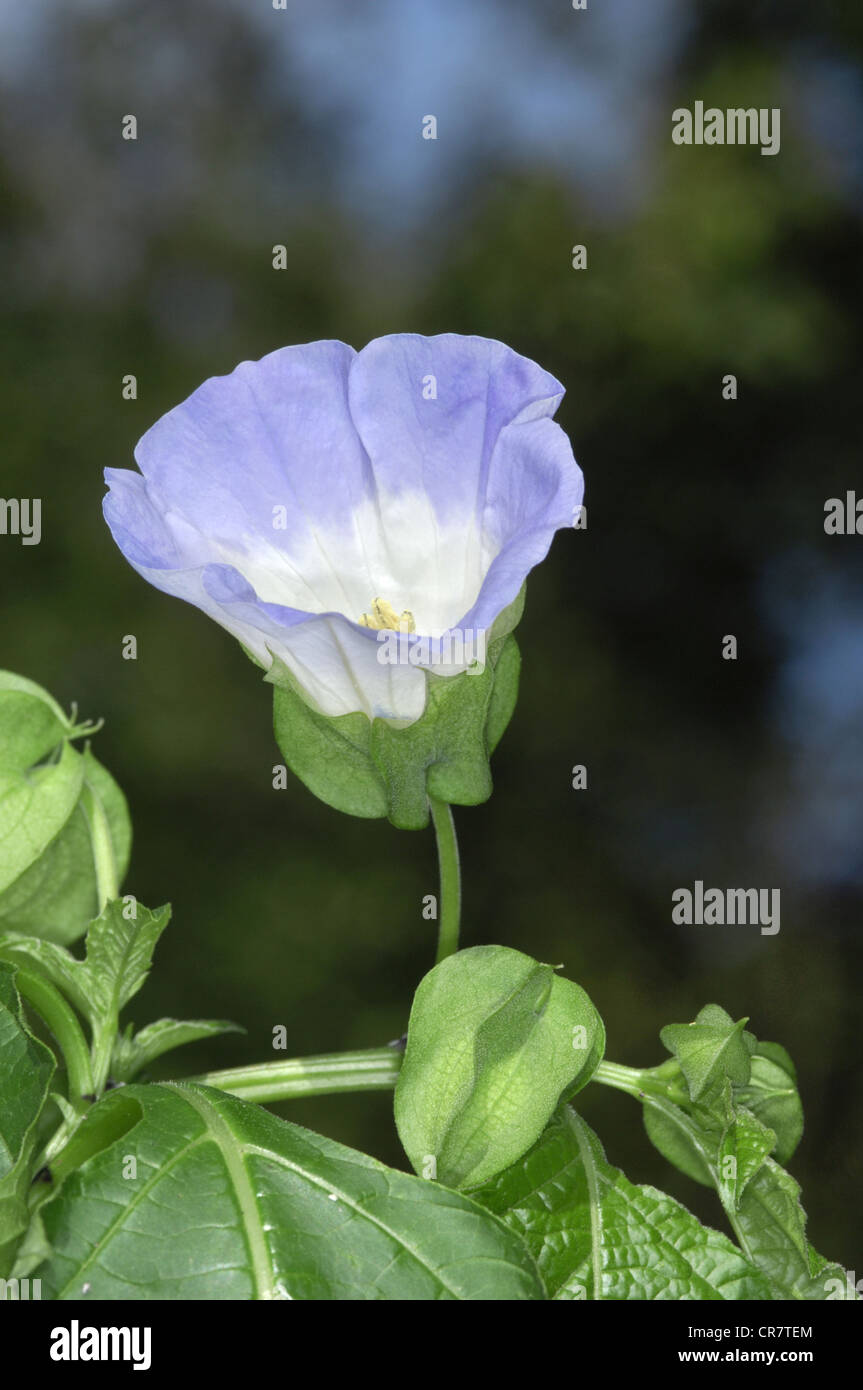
(375, 1069)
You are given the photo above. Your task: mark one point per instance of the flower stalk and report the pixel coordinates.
(449, 906)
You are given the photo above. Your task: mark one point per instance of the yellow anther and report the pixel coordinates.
(384, 617)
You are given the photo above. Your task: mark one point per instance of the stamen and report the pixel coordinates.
(384, 617)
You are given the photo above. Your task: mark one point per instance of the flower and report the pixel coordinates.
(320, 500)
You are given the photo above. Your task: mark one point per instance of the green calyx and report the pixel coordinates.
(372, 768)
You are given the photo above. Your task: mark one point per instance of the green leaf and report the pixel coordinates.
(831, 1283)
(32, 1251)
(57, 896)
(49, 960)
(375, 768)
(495, 1041)
(134, 1052)
(224, 1201)
(596, 1235)
(119, 955)
(743, 1147)
(26, 1068)
(118, 958)
(763, 1206)
(14, 1210)
(718, 1143)
(710, 1048)
(771, 1224)
(772, 1095)
(680, 1140)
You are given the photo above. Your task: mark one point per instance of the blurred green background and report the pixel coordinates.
(259, 127)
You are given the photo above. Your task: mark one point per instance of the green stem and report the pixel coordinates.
(61, 1019)
(375, 1069)
(104, 1038)
(653, 1081)
(449, 906)
(622, 1078)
